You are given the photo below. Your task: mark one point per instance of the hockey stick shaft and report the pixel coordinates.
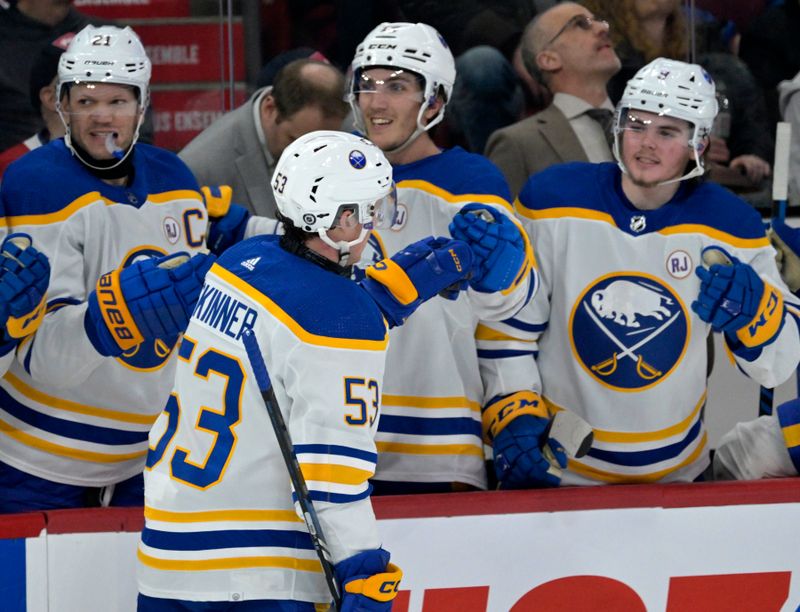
(780, 188)
(292, 465)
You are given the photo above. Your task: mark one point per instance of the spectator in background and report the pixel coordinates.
(43, 99)
(26, 27)
(492, 89)
(642, 30)
(769, 48)
(241, 148)
(570, 51)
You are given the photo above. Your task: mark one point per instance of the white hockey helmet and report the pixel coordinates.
(416, 47)
(105, 54)
(324, 173)
(674, 89)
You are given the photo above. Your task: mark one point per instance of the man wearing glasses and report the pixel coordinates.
(570, 52)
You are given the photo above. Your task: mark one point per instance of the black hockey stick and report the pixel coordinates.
(293, 467)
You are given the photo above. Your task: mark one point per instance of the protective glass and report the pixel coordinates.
(678, 132)
(398, 84)
(384, 211)
(381, 214)
(581, 22)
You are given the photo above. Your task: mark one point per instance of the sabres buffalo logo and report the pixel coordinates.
(629, 330)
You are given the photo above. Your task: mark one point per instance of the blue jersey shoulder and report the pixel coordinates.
(458, 172)
(50, 178)
(715, 206)
(598, 187)
(320, 301)
(162, 170)
(571, 184)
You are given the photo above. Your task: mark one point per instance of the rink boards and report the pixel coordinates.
(680, 548)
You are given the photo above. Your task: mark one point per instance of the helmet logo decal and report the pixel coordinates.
(357, 159)
(663, 74)
(629, 330)
(638, 223)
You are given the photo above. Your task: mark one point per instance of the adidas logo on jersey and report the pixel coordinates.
(250, 264)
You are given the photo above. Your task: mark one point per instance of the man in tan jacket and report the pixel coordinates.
(570, 51)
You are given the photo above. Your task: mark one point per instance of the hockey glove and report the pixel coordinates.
(734, 300)
(415, 274)
(226, 221)
(369, 582)
(517, 426)
(786, 241)
(497, 243)
(149, 299)
(24, 277)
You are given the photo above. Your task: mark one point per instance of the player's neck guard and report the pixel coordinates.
(290, 242)
(105, 169)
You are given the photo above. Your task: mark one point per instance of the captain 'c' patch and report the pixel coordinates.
(628, 330)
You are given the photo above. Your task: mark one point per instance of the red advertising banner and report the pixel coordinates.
(192, 52)
(133, 9)
(180, 115)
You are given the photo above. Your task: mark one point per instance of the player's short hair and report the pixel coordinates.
(294, 90)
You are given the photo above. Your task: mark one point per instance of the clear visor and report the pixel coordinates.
(381, 214)
(397, 84)
(662, 129)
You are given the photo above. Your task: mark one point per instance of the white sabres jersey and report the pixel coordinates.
(430, 428)
(618, 342)
(217, 492)
(67, 413)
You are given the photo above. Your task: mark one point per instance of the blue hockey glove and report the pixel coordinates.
(149, 299)
(24, 277)
(517, 428)
(734, 300)
(786, 241)
(415, 274)
(368, 581)
(226, 221)
(501, 257)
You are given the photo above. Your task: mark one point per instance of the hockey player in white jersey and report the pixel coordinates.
(430, 436)
(630, 291)
(24, 276)
(118, 221)
(220, 520)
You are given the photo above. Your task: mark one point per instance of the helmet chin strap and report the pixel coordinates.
(698, 170)
(120, 158)
(421, 128)
(343, 246)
